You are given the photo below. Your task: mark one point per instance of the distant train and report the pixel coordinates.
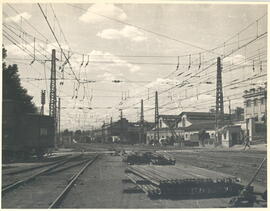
(25, 135)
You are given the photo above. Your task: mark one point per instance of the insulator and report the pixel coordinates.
(189, 65)
(200, 61)
(177, 67)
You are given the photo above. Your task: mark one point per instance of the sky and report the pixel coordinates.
(122, 53)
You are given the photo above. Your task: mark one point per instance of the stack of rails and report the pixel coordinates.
(162, 159)
(145, 185)
(148, 158)
(182, 181)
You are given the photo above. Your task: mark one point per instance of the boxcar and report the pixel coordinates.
(27, 134)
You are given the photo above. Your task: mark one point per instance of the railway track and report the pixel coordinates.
(55, 176)
(14, 172)
(208, 158)
(9, 187)
(72, 180)
(223, 165)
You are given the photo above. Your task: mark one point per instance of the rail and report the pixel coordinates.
(23, 181)
(72, 180)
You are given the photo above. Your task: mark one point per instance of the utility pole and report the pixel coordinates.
(59, 117)
(121, 114)
(156, 118)
(103, 132)
(219, 117)
(121, 126)
(230, 112)
(265, 113)
(111, 129)
(141, 134)
(52, 105)
(43, 93)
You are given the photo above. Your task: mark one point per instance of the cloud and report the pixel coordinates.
(17, 18)
(162, 82)
(45, 49)
(128, 32)
(109, 10)
(111, 62)
(237, 59)
(109, 76)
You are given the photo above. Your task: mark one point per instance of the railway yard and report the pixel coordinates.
(125, 105)
(96, 177)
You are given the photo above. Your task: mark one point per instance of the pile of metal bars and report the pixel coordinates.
(182, 181)
(148, 158)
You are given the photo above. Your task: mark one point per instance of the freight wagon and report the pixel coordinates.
(25, 135)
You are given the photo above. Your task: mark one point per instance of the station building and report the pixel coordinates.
(187, 126)
(255, 113)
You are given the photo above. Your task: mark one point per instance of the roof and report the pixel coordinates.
(199, 115)
(167, 129)
(170, 120)
(202, 115)
(169, 116)
(201, 125)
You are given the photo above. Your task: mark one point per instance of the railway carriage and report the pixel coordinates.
(25, 135)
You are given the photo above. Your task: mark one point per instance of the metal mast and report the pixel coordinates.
(141, 137)
(219, 96)
(219, 117)
(52, 105)
(59, 118)
(43, 93)
(156, 118)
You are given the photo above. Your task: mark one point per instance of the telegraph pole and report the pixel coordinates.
(265, 113)
(219, 117)
(230, 112)
(43, 93)
(141, 134)
(121, 126)
(121, 114)
(156, 117)
(111, 130)
(52, 105)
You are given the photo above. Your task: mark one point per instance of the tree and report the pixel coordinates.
(12, 88)
(77, 135)
(66, 132)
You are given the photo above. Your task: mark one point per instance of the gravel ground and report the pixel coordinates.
(101, 186)
(240, 164)
(40, 192)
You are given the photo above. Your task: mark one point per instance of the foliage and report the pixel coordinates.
(12, 88)
(78, 133)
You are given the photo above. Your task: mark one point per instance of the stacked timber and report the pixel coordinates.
(148, 158)
(181, 181)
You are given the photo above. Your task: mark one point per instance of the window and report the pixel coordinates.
(255, 102)
(248, 102)
(183, 122)
(43, 132)
(262, 101)
(225, 135)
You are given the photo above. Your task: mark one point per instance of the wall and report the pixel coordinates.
(184, 121)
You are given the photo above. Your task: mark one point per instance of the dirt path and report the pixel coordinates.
(101, 186)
